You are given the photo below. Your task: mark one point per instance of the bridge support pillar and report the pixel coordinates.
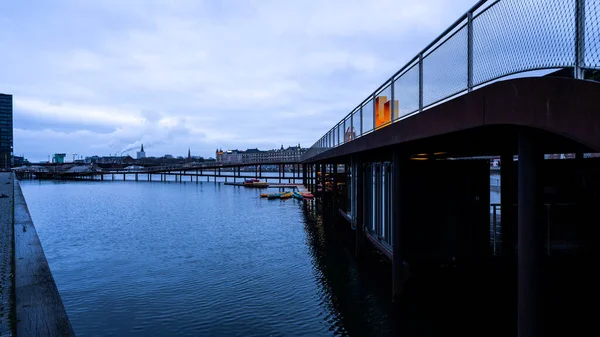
(530, 240)
(399, 196)
(102, 177)
(280, 172)
(323, 173)
(314, 170)
(507, 201)
(359, 204)
(124, 177)
(334, 191)
(304, 175)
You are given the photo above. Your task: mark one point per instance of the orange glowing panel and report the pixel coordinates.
(379, 102)
(383, 111)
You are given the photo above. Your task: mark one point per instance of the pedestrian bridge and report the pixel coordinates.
(493, 41)
(511, 79)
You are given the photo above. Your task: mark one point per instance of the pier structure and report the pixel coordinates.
(287, 172)
(403, 167)
(30, 304)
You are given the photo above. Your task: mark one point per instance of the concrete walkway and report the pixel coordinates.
(7, 308)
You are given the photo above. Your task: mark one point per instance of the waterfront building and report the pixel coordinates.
(6, 131)
(289, 154)
(59, 158)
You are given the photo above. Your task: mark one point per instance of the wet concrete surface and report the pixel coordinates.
(6, 254)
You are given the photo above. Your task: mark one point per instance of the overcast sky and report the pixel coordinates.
(101, 77)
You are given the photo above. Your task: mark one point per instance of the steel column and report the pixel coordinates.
(360, 181)
(507, 206)
(398, 197)
(530, 240)
(579, 39)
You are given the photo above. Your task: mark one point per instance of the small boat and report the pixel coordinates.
(260, 184)
(307, 195)
(286, 195)
(255, 183)
(297, 195)
(264, 195)
(274, 196)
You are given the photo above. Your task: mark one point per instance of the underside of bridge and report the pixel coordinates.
(528, 270)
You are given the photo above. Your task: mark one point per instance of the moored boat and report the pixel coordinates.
(297, 195)
(307, 195)
(286, 195)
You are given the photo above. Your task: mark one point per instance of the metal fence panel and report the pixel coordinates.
(515, 36)
(592, 34)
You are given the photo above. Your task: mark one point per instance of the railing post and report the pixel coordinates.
(420, 82)
(361, 121)
(392, 105)
(579, 39)
(351, 138)
(470, 52)
(373, 115)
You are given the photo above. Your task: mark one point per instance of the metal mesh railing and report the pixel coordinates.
(592, 35)
(494, 39)
(445, 69)
(516, 36)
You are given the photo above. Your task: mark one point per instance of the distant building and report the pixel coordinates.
(127, 160)
(6, 131)
(19, 161)
(141, 154)
(59, 158)
(289, 154)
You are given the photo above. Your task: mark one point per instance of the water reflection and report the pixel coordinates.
(359, 308)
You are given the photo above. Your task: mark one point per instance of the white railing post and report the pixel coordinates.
(392, 105)
(470, 51)
(373, 112)
(420, 82)
(579, 39)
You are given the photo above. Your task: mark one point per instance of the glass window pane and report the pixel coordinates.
(367, 116)
(356, 124)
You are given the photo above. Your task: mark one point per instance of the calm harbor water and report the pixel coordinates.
(171, 259)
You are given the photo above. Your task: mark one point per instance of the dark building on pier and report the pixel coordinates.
(6, 131)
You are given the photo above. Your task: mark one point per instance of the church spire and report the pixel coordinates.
(189, 153)
(142, 148)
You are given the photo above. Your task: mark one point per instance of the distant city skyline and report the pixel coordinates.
(101, 77)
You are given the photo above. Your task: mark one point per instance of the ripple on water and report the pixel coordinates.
(141, 259)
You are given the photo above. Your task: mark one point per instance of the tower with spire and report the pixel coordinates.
(189, 154)
(141, 154)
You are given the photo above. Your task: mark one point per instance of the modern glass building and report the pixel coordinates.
(6, 130)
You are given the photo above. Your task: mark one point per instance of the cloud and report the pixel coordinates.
(202, 74)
